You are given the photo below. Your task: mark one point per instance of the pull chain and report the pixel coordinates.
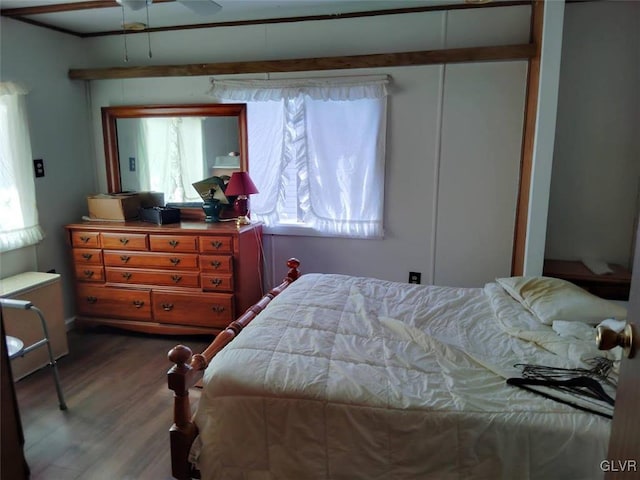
(148, 33)
(124, 36)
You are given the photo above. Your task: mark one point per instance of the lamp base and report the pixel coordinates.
(242, 220)
(241, 206)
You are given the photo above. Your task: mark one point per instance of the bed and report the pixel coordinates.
(341, 377)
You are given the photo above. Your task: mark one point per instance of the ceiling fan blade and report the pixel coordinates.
(134, 4)
(202, 7)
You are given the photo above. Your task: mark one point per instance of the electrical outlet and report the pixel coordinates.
(132, 164)
(414, 277)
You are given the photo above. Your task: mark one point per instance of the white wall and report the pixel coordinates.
(423, 159)
(67, 133)
(60, 135)
(481, 144)
(596, 162)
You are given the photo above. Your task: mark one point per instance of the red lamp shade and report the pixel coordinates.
(240, 184)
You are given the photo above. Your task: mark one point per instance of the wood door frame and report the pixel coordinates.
(528, 137)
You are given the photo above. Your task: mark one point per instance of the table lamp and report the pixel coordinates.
(241, 185)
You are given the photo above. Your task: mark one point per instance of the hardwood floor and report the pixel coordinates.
(119, 408)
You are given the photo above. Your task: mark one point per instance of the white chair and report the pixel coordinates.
(16, 348)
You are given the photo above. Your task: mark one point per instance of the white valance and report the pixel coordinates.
(327, 88)
(12, 88)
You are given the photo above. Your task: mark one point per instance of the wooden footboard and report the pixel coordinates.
(188, 370)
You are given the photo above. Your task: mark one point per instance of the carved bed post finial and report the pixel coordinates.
(293, 273)
(180, 355)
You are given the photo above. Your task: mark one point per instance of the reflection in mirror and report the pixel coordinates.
(168, 148)
(169, 154)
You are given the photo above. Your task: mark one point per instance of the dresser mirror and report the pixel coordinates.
(167, 148)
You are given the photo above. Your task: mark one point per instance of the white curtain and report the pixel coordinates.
(330, 135)
(18, 212)
(171, 156)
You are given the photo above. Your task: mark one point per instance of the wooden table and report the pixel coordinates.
(614, 286)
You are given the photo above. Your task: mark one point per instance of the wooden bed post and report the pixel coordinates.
(182, 433)
(189, 368)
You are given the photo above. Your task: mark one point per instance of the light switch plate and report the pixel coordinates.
(38, 167)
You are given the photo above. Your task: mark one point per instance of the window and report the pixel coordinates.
(18, 213)
(316, 152)
(170, 153)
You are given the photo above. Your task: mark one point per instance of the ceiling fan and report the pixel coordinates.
(201, 7)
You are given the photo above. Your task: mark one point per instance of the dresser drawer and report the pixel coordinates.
(182, 261)
(124, 241)
(207, 310)
(216, 263)
(216, 244)
(176, 278)
(213, 282)
(173, 243)
(85, 239)
(114, 302)
(87, 256)
(90, 273)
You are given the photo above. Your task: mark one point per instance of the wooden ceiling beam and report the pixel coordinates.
(426, 57)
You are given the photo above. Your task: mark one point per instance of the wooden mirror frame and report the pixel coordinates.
(110, 134)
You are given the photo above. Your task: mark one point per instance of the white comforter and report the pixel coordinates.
(353, 378)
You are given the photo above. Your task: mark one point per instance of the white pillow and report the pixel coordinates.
(552, 299)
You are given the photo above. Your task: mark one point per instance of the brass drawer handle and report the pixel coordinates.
(175, 261)
(84, 238)
(174, 243)
(126, 275)
(176, 278)
(92, 299)
(216, 264)
(216, 281)
(88, 273)
(216, 244)
(217, 308)
(124, 240)
(167, 307)
(87, 256)
(138, 303)
(125, 258)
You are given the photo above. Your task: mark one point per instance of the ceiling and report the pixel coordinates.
(105, 17)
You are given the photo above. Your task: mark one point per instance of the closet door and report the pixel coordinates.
(482, 121)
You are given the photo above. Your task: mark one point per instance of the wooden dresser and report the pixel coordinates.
(182, 278)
